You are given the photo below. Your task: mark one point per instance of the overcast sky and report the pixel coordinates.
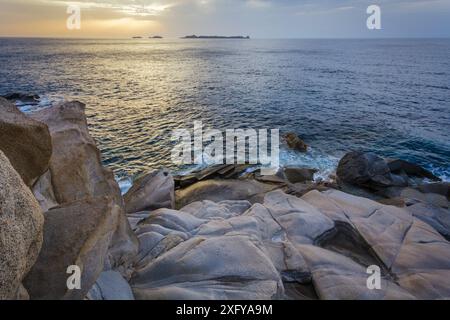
(257, 18)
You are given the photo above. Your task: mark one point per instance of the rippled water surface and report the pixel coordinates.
(387, 96)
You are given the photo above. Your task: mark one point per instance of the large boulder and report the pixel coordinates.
(153, 191)
(75, 166)
(26, 142)
(76, 173)
(79, 234)
(21, 228)
(365, 170)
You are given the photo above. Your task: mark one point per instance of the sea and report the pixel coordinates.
(388, 96)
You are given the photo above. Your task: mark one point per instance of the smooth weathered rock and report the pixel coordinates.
(412, 196)
(294, 142)
(442, 188)
(224, 209)
(296, 175)
(412, 250)
(219, 190)
(337, 277)
(78, 233)
(43, 191)
(436, 217)
(422, 264)
(135, 218)
(229, 267)
(76, 173)
(26, 142)
(21, 228)
(75, 165)
(110, 285)
(364, 170)
(150, 192)
(123, 248)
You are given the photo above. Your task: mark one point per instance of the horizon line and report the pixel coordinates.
(251, 38)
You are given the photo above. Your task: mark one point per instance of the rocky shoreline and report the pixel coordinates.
(219, 233)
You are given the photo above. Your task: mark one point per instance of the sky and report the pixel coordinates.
(256, 18)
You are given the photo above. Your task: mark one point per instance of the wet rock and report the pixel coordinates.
(77, 233)
(28, 98)
(21, 228)
(224, 171)
(401, 166)
(397, 201)
(295, 175)
(295, 142)
(25, 142)
(365, 170)
(153, 191)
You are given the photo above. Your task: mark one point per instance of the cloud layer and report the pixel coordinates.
(258, 18)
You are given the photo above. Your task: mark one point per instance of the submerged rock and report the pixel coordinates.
(295, 142)
(21, 229)
(26, 142)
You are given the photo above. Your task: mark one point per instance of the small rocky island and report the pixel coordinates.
(215, 37)
(219, 233)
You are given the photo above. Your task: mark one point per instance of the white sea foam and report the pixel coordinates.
(125, 183)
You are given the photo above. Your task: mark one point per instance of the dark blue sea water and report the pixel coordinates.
(387, 96)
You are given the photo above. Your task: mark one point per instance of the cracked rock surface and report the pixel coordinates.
(317, 246)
